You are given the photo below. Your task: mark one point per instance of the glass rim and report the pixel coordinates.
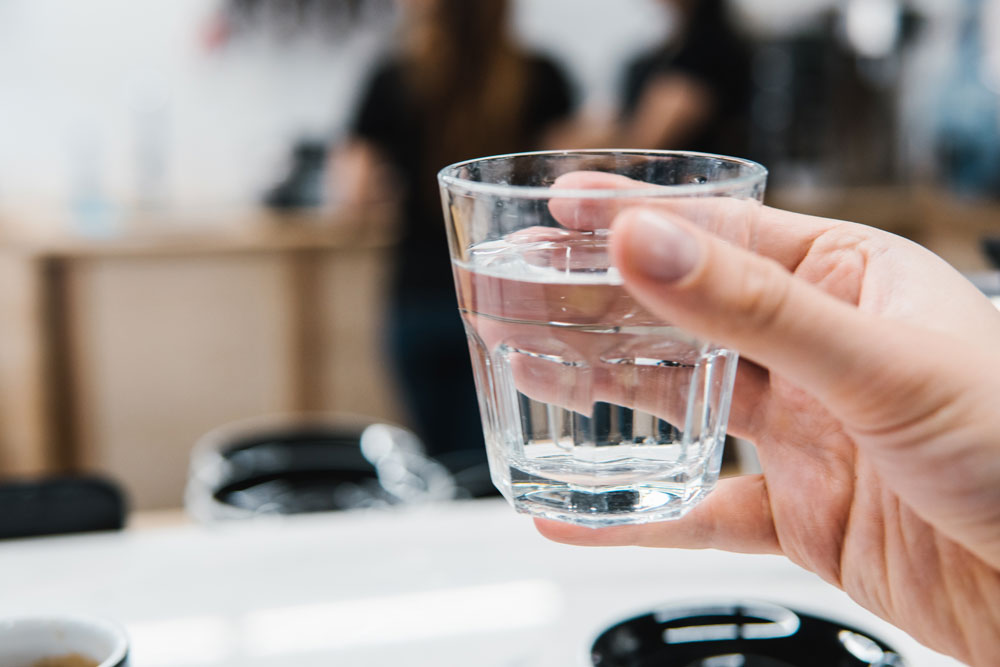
(756, 173)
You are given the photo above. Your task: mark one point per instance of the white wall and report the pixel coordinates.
(89, 87)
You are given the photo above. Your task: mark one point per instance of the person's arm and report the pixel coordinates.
(585, 129)
(553, 112)
(672, 108)
(359, 175)
(359, 169)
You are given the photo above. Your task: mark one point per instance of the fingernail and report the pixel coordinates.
(659, 249)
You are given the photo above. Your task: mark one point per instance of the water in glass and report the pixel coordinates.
(595, 411)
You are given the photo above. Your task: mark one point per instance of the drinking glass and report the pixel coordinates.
(595, 411)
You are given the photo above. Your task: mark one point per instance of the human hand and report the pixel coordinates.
(869, 381)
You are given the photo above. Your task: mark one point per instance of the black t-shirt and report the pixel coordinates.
(715, 55)
(390, 116)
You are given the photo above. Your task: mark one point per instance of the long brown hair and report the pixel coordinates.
(469, 76)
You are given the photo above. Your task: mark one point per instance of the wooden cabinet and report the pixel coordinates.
(26, 433)
(117, 356)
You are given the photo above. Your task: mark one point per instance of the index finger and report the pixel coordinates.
(781, 235)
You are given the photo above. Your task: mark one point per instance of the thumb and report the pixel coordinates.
(737, 299)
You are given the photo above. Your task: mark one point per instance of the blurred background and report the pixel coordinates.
(205, 205)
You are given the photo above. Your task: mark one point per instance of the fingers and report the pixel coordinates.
(749, 409)
(588, 214)
(751, 303)
(736, 516)
(783, 236)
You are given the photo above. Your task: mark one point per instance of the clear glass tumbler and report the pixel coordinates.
(595, 411)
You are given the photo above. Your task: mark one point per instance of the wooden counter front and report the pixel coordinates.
(118, 354)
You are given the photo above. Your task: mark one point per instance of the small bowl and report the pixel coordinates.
(293, 464)
(27, 641)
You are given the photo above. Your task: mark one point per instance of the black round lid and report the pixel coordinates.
(738, 634)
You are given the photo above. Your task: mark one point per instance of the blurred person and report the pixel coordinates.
(690, 92)
(457, 88)
(868, 381)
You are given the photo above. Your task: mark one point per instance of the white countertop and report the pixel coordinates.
(468, 583)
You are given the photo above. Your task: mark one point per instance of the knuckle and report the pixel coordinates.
(761, 296)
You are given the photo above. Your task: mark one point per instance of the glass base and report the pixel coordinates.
(647, 502)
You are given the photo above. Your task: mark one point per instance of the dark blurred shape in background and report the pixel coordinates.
(303, 187)
(826, 95)
(458, 87)
(289, 19)
(692, 90)
(309, 463)
(60, 505)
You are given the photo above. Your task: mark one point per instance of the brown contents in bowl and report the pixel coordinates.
(68, 660)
